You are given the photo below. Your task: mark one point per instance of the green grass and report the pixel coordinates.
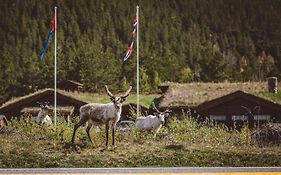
(184, 143)
(275, 97)
(145, 100)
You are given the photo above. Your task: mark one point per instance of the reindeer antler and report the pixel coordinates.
(46, 103)
(127, 93)
(247, 109)
(108, 92)
(154, 107)
(258, 108)
(39, 103)
(168, 110)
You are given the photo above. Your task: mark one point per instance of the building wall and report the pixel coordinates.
(234, 107)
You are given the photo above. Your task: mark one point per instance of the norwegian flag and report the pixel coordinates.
(130, 48)
(51, 31)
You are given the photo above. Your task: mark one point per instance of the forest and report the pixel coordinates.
(180, 41)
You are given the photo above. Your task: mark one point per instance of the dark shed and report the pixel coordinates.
(240, 107)
(18, 106)
(131, 108)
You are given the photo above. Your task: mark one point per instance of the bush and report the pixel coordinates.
(189, 131)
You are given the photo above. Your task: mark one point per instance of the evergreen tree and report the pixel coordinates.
(217, 40)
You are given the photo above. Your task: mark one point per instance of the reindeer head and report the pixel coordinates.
(45, 108)
(117, 101)
(161, 115)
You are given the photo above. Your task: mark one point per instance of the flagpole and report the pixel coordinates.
(138, 80)
(55, 72)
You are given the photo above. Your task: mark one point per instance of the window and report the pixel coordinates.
(262, 117)
(239, 117)
(218, 117)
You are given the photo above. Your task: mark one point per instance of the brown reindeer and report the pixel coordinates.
(102, 114)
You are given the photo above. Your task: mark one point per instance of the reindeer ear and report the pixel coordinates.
(112, 98)
(123, 99)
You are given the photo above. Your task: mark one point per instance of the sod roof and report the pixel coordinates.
(21, 102)
(193, 94)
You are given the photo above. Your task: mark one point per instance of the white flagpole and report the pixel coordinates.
(138, 79)
(55, 79)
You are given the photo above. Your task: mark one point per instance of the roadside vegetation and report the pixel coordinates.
(184, 143)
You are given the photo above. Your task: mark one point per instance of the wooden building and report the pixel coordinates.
(27, 105)
(239, 107)
(70, 85)
(130, 109)
(228, 103)
(67, 106)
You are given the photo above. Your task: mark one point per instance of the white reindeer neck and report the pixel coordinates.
(115, 108)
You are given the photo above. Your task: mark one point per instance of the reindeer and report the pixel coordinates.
(43, 117)
(102, 114)
(152, 122)
(3, 121)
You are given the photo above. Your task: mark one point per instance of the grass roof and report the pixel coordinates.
(192, 94)
(18, 99)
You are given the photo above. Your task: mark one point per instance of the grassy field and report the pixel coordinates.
(145, 100)
(25, 144)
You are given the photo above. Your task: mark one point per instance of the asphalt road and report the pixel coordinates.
(179, 170)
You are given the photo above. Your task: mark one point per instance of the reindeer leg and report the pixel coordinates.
(76, 126)
(106, 133)
(113, 134)
(88, 132)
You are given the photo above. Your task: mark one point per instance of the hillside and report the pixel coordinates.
(180, 41)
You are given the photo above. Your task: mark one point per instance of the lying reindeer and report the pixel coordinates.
(43, 117)
(102, 114)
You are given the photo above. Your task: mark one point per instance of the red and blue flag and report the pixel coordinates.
(130, 48)
(51, 31)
